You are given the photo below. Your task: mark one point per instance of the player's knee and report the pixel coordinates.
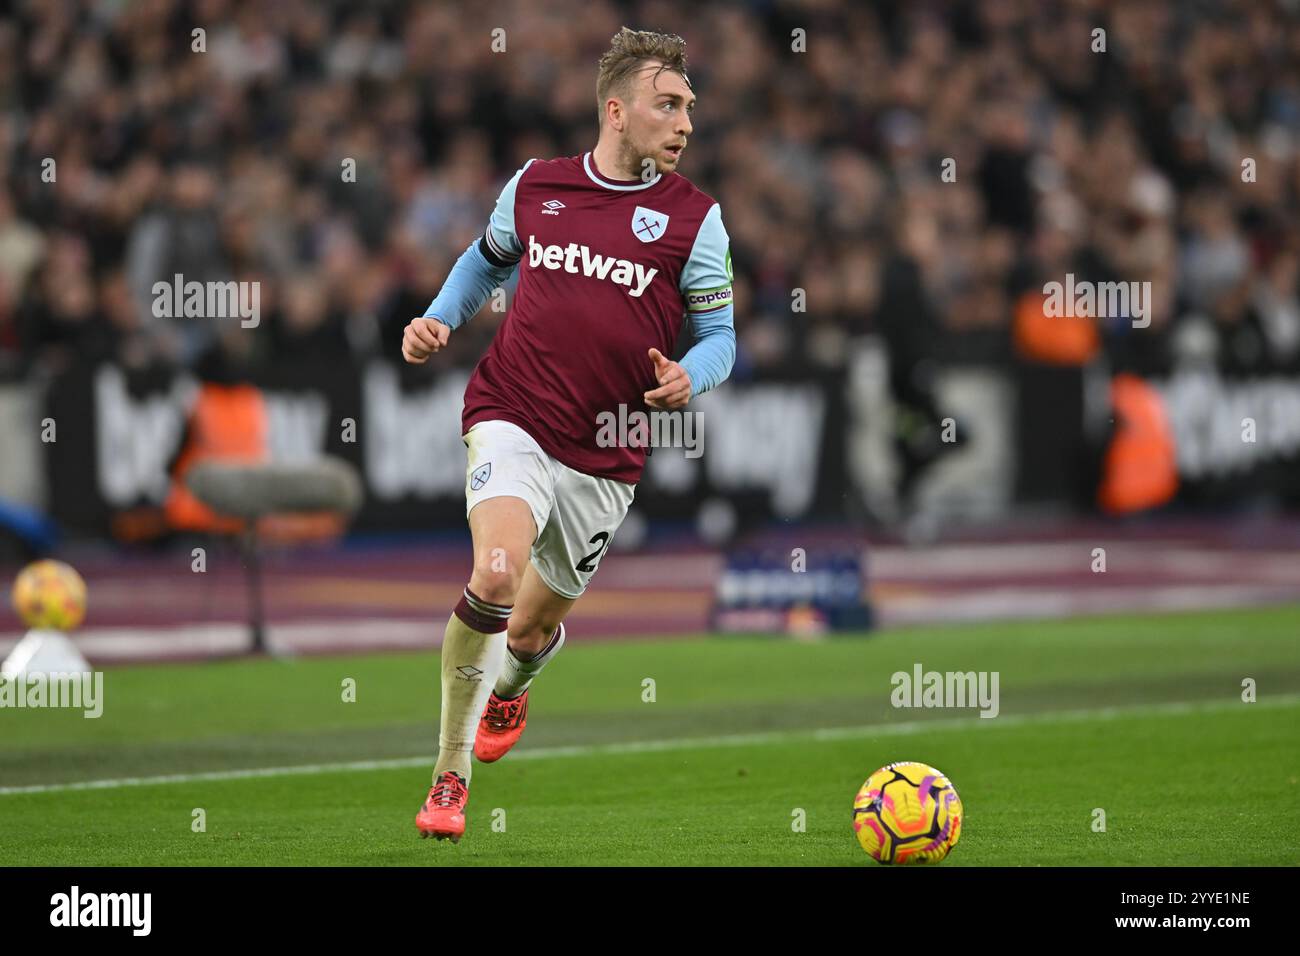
(497, 576)
(531, 635)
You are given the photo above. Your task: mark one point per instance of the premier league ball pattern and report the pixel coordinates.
(907, 813)
(50, 595)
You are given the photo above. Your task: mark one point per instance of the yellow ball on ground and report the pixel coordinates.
(907, 813)
(50, 595)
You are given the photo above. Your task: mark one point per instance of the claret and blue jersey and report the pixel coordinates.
(607, 268)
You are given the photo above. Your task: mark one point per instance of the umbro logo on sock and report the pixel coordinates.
(469, 672)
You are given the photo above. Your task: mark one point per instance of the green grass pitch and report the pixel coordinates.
(1140, 716)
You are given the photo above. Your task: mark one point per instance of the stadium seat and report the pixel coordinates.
(255, 492)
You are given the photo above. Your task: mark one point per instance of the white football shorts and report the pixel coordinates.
(576, 514)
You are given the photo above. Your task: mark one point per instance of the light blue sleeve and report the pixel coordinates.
(500, 237)
(471, 281)
(706, 291)
(485, 265)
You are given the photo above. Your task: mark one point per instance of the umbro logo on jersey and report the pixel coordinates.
(552, 207)
(576, 259)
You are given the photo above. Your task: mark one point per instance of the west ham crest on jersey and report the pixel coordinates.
(648, 225)
(478, 478)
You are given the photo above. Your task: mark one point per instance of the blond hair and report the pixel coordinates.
(629, 50)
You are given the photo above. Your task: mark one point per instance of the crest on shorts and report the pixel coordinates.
(479, 476)
(648, 225)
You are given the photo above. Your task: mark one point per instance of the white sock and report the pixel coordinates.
(516, 675)
(472, 651)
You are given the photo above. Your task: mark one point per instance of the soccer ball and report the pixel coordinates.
(907, 813)
(50, 595)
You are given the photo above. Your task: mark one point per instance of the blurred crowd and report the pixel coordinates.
(1162, 149)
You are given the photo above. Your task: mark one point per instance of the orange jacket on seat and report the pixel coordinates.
(1140, 469)
(1053, 340)
(228, 423)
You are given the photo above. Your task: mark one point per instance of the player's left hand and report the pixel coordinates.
(674, 389)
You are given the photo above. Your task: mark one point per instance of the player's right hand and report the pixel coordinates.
(422, 338)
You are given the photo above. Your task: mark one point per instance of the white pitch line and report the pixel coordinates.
(898, 728)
